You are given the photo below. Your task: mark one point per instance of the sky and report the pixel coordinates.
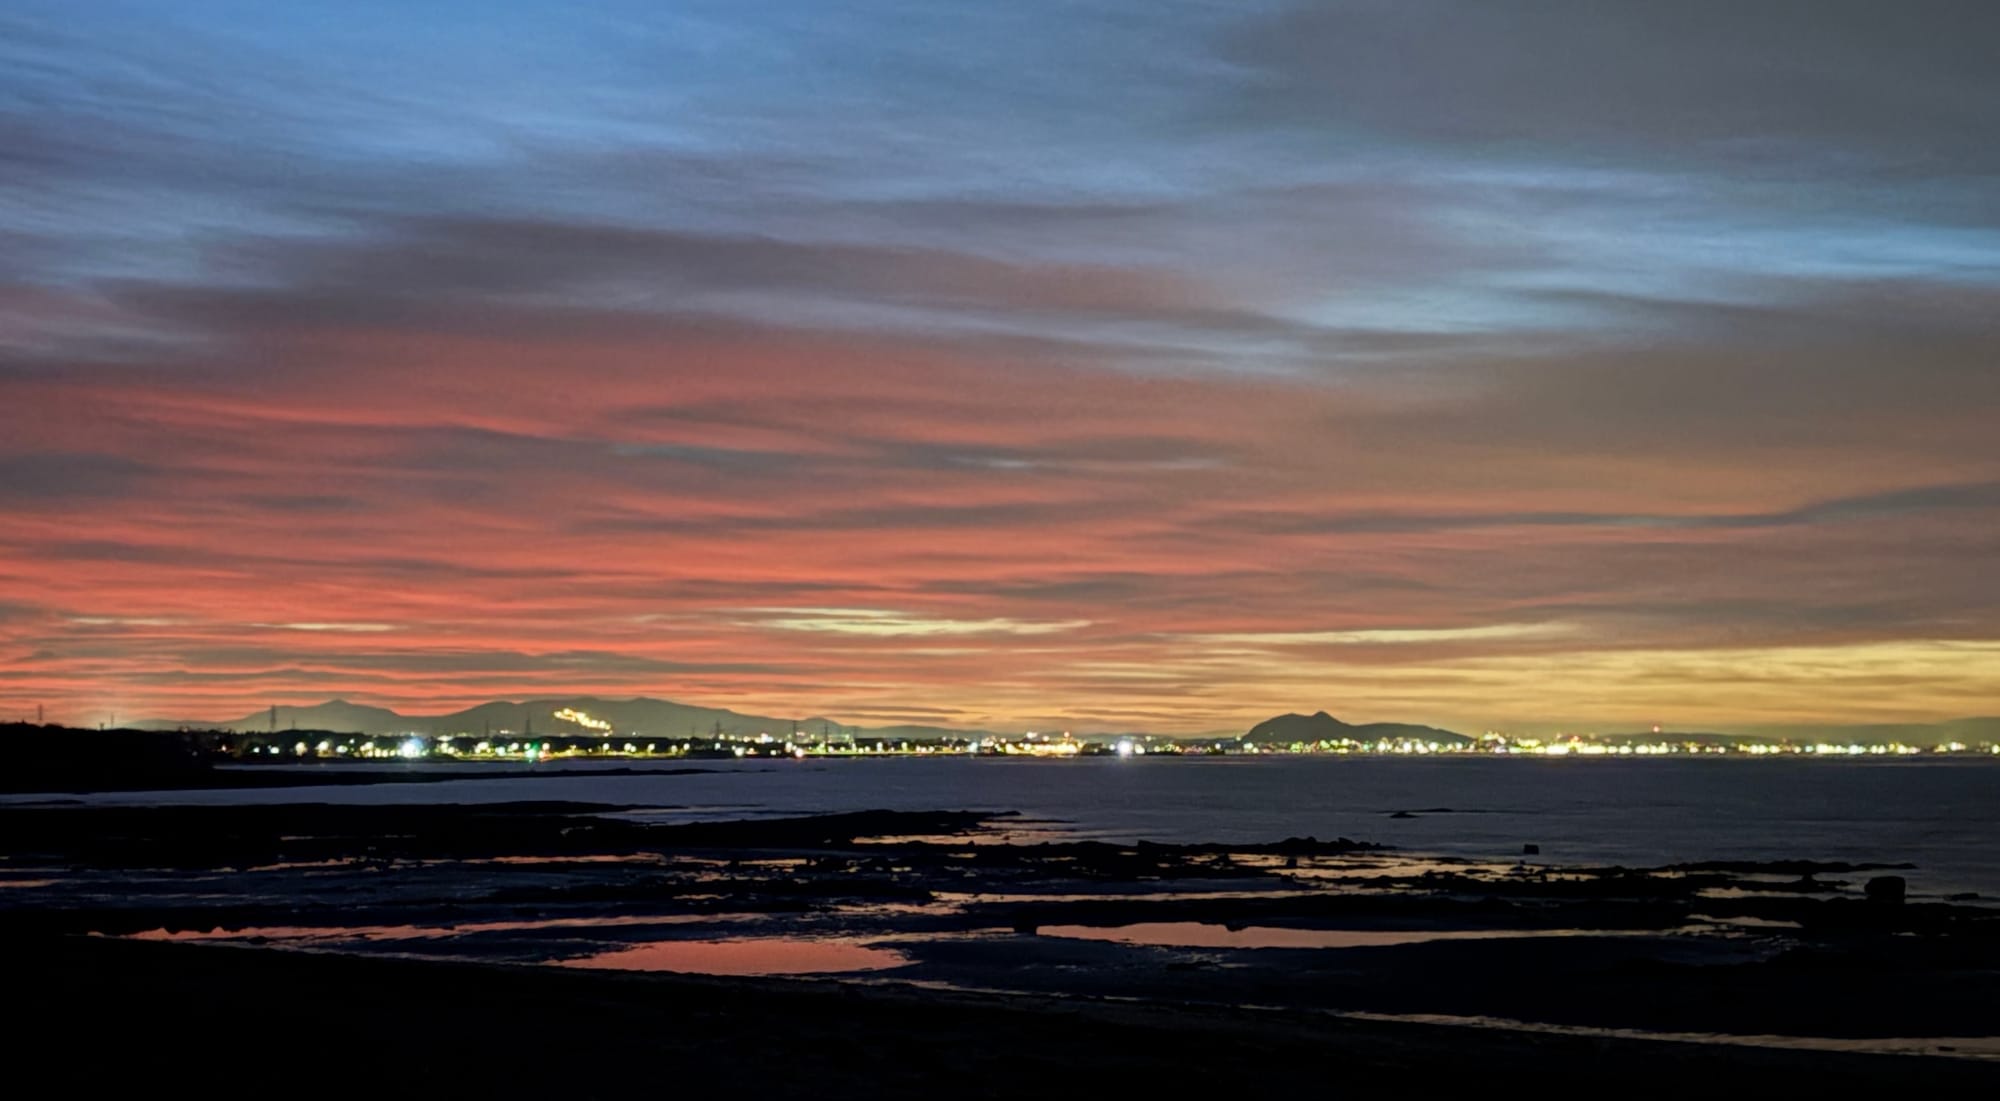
(1105, 365)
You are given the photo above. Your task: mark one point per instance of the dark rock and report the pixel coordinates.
(1887, 888)
(1780, 867)
(1531, 850)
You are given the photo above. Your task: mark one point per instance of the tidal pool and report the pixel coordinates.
(341, 933)
(1198, 934)
(746, 956)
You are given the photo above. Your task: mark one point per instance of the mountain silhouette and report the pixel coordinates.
(1322, 727)
(556, 715)
(657, 718)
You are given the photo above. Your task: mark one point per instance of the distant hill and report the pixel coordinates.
(1322, 727)
(643, 716)
(338, 716)
(658, 718)
(562, 715)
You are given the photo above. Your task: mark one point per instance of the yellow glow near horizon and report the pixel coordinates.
(1228, 688)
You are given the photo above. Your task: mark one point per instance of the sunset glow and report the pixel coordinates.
(1159, 375)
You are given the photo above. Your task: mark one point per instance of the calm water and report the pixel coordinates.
(1943, 814)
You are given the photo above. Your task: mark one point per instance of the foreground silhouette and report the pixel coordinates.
(237, 1021)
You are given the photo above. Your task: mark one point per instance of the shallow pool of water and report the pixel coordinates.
(344, 933)
(746, 956)
(1198, 934)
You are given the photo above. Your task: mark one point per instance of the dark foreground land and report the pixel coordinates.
(456, 950)
(226, 1021)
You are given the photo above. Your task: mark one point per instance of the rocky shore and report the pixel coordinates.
(474, 903)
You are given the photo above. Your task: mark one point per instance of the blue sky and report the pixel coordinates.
(1384, 167)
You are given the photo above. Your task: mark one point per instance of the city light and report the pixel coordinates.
(583, 719)
(1034, 744)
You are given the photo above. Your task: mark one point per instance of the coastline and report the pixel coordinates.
(961, 901)
(324, 1024)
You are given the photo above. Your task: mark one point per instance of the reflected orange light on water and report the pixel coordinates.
(749, 956)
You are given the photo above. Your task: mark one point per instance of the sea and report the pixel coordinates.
(1940, 813)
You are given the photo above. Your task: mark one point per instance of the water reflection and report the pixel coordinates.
(1196, 934)
(750, 956)
(423, 932)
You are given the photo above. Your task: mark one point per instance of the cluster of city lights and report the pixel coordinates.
(1031, 744)
(1579, 747)
(414, 747)
(583, 719)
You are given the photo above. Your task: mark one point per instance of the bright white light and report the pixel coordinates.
(583, 719)
(413, 747)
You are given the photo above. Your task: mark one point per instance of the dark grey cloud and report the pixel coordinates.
(1898, 368)
(891, 521)
(389, 262)
(1786, 86)
(1111, 452)
(729, 458)
(1976, 498)
(69, 476)
(250, 559)
(307, 503)
(1979, 497)
(446, 663)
